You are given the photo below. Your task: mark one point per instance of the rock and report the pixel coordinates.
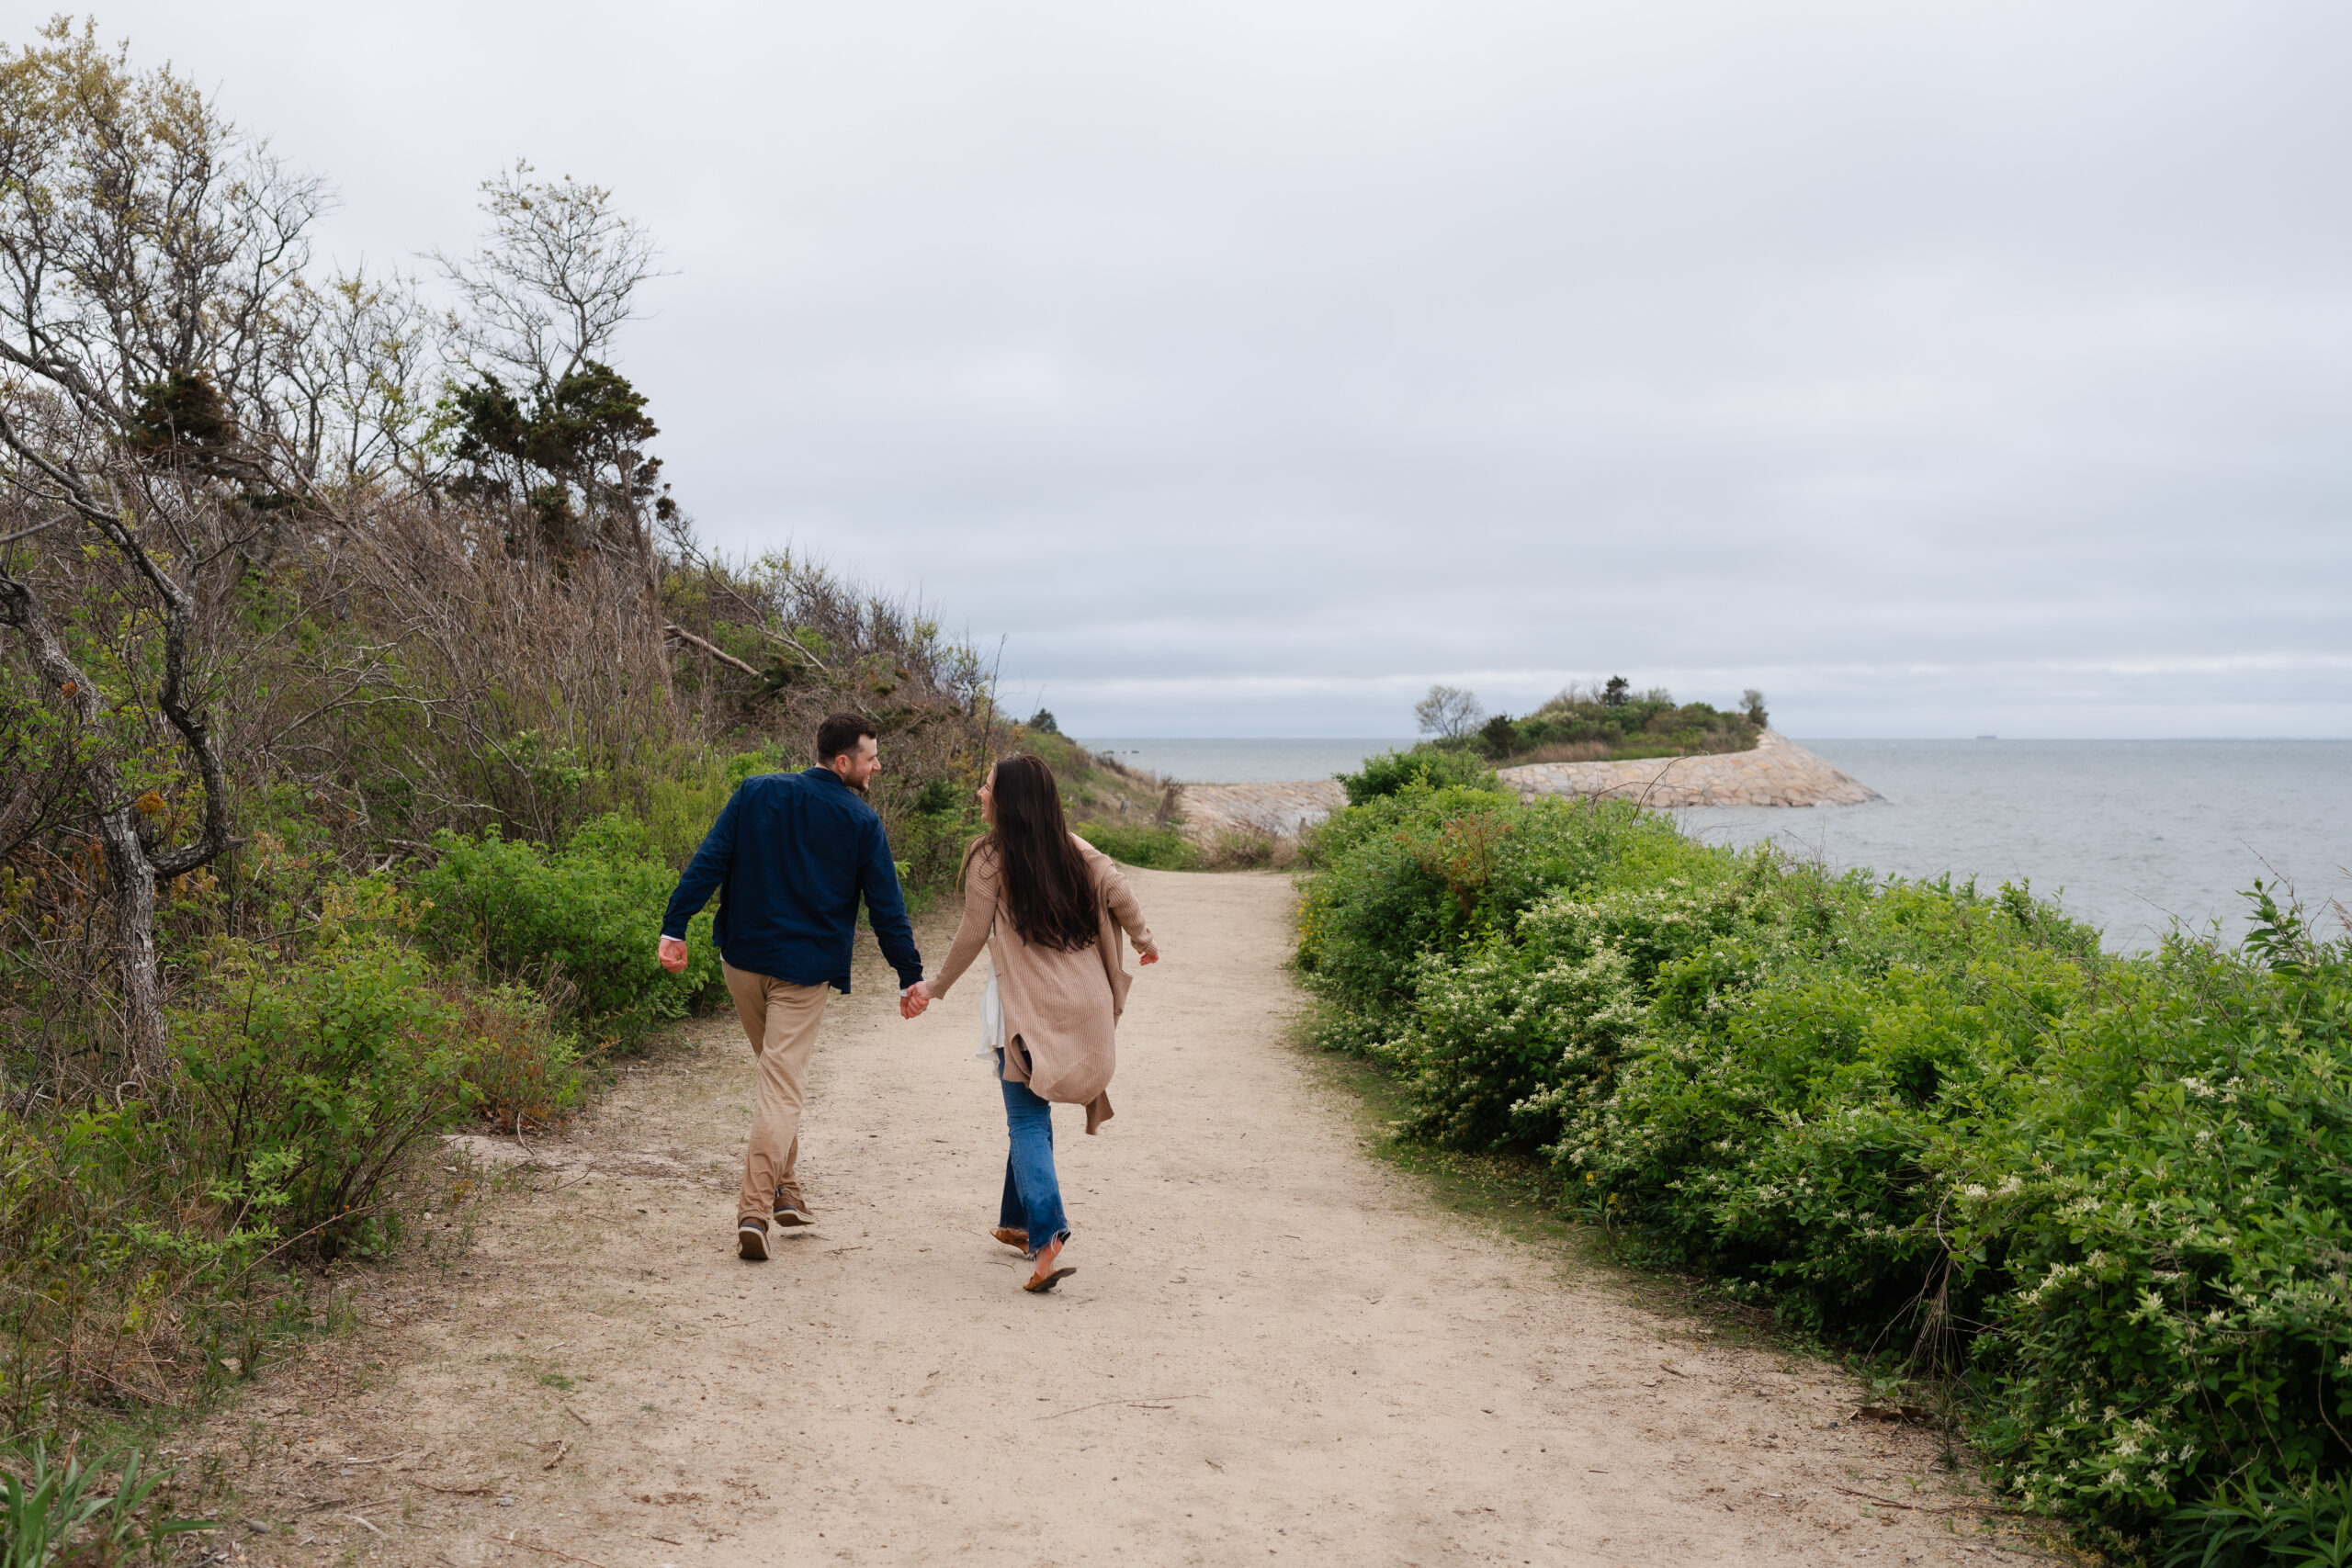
(1777, 773)
(1281, 809)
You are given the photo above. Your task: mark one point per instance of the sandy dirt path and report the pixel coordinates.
(1275, 1349)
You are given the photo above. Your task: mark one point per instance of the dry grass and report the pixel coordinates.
(1249, 849)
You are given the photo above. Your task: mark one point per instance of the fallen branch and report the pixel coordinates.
(561, 1449)
(714, 650)
(457, 1491)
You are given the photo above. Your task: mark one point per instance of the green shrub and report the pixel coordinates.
(141, 1243)
(929, 833)
(581, 921)
(316, 1074)
(109, 1236)
(518, 1068)
(1431, 765)
(1423, 871)
(1140, 843)
(2111, 1197)
(2165, 1226)
(683, 795)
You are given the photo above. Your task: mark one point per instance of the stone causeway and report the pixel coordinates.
(1779, 772)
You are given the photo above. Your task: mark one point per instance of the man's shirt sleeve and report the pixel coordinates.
(705, 871)
(886, 909)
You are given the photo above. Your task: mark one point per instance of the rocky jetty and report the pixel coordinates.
(1281, 809)
(1777, 773)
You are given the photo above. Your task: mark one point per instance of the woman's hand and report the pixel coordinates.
(1151, 957)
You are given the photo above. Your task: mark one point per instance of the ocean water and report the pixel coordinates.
(1245, 761)
(2125, 834)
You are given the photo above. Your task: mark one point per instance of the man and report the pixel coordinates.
(791, 854)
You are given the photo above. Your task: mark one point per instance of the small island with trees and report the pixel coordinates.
(1608, 721)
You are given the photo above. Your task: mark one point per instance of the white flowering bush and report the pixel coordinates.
(1510, 1040)
(2166, 1216)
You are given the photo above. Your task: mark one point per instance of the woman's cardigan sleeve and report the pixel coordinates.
(1120, 899)
(979, 919)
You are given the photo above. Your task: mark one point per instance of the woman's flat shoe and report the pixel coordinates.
(1017, 1240)
(1047, 1276)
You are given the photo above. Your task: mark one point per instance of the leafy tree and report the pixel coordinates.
(144, 246)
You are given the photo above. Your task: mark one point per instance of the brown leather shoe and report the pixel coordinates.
(1045, 1275)
(1017, 1240)
(751, 1240)
(791, 1208)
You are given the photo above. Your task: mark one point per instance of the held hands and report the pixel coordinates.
(913, 999)
(674, 955)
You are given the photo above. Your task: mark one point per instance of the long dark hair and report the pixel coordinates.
(1049, 890)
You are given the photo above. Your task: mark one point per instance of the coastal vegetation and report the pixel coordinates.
(362, 685)
(2100, 1202)
(1588, 724)
(1137, 817)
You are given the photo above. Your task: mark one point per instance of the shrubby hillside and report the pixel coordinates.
(362, 685)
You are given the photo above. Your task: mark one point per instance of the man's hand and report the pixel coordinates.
(673, 953)
(913, 999)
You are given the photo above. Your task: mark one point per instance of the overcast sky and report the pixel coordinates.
(1939, 369)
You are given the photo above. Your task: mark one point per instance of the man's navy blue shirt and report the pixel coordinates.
(789, 855)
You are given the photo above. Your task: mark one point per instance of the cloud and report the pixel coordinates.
(1939, 369)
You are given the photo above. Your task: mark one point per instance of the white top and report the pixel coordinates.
(991, 1021)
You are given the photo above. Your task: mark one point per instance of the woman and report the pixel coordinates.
(1050, 907)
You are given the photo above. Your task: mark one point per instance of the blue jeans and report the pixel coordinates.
(1033, 1193)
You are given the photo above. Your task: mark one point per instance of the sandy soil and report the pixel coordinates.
(1274, 1350)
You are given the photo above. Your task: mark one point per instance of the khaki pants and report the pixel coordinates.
(781, 1020)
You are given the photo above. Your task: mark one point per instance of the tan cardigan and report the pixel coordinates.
(1061, 1009)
